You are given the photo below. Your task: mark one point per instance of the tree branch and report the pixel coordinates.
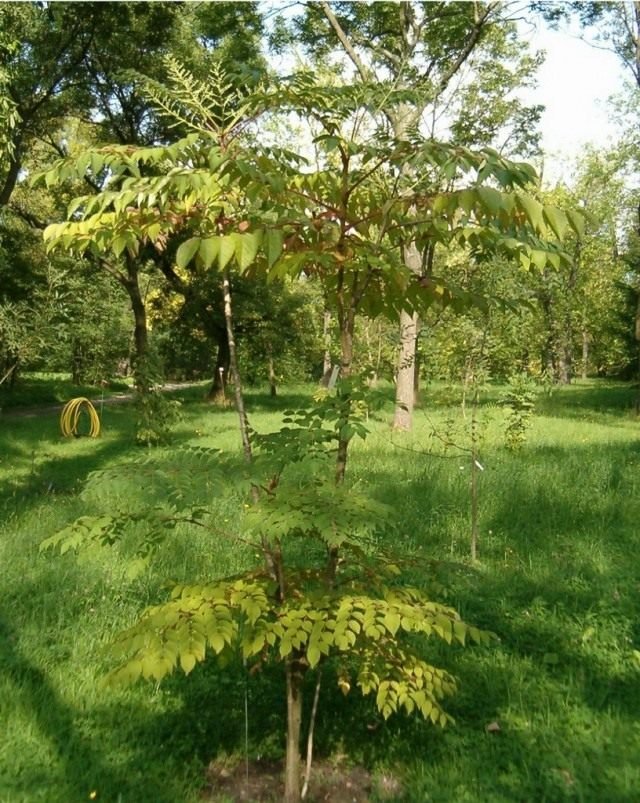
(365, 73)
(479, 25)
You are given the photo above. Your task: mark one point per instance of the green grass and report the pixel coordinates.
(558, 580)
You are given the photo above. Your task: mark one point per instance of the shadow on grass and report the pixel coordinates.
(46, 473)
(603, 401)
(84, 766)
(558, 583)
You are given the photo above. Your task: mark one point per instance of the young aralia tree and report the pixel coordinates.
(326, 590)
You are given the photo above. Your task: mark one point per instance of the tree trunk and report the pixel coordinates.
(292, 775)
(76, 364)
(11, 179)
(564, 364)
(140, 333)
(235, 373)
(326, 339)
(347, 326)
(585, 354)
(221, 371)
(273, 390)
(403, 416)
(416, 369)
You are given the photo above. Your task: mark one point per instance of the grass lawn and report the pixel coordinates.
(558, 580)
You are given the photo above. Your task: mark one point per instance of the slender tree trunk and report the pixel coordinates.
(233, 364)
(131, 284)
(292, 775)
(11, 178)
(402, 120)
(326, 357)
(347, 326)
(405, 394)
(416, 369)
(585, 354)
(564, 363)
(273, 389)
(637, 337)
(221, 372)
(474, 478)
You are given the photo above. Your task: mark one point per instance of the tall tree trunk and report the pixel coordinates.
(585, 354)
(416, 369)
(347, 326)
(11, 178)
(563, 364)
(273, 389)
(405, 393)
(292, 775)
(326, 357)
(131, 283)
(233, 363)
(637, 337)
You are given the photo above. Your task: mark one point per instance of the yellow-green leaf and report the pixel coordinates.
(187, 662)
(226, 252)
(532, 209)
(208, 250)
(246, 247)
(274, 239)
(187, 251)
(557, 219)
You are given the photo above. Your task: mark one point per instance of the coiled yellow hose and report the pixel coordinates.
(71, 415)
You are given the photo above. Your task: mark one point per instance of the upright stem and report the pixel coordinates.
(407, 364)
(326, 339)
(405, 384)
(272, 554)
(294, 721)
(140, 333)
(347, 327)
(585, 353)
(273, 391)
(233, 365)
(474, 480)
(312, 723)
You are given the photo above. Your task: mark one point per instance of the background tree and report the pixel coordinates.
(428, 46)
(68, 71)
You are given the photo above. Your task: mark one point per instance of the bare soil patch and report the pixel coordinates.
(229, 780)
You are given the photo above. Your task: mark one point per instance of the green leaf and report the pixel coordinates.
(208, 250)
(118, 245)
(274, 239)
(532, 209)
(392, 622)
(491, 199)
(538, 258)
(576, 221)
(313, 655)
(246, 248)
(467, 200)
(557, 219)
(97, 163)
(226, 252)
(187, 662)
(187, 251)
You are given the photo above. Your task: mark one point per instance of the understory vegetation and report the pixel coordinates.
(548, 713)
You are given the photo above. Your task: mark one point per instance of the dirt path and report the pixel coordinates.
(119, 398)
